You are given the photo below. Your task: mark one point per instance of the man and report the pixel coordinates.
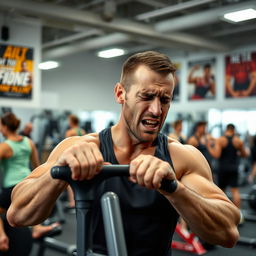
(27, 130)
(149, 214)
(228, 149)
(202, 141)
(203, 84)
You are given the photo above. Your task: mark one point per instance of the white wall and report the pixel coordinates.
(84, 81)
(25, 32)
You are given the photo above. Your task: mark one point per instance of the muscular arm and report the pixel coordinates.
(191, 78)
(229, 86)
(241, 147)
(192, 141)
(251, 86)
(213, 86)
(215, 149)
(5, 150)
(34, 197)
(206, 209)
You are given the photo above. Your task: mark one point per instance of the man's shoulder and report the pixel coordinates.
(184, 157)
(90, 137)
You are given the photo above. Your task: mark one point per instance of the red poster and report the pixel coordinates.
(240, 80)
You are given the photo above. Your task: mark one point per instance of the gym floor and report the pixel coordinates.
(248, 229)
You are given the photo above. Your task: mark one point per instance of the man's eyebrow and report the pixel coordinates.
(148, 93)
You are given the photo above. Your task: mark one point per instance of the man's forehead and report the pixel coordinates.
(155, 90)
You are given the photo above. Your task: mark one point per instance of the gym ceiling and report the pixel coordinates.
(70, 26)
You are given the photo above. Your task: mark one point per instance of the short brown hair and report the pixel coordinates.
(156, 61)
(230, 127)
(11, 121)
(74, 119)
(176, 123)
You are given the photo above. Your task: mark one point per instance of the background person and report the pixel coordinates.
(16, 152)
(74, 129)
(252, 175)
(177, 132)
(228, 149)
(28, 128)
(149, 214)
(202, 140)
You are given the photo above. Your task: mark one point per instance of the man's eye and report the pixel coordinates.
(165, 100)
(147, 97)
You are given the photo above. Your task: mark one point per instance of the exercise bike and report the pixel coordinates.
(84, 192)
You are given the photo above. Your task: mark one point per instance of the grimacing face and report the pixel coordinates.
(147, 103)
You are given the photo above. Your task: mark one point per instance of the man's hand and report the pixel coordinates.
(84, 159)
(148, 171)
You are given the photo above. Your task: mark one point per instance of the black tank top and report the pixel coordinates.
(203, 149)
(228, 161)
(148, 217)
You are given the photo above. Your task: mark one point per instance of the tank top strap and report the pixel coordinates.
(162, 150)
(106, 146)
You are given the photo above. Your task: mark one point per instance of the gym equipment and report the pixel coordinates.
(252, 198)
(43, 241)
(191, 242)
(247, 241)
(248, 215)
(49, 240)
(84, 195)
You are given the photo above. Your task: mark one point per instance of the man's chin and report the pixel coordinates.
(148, 136)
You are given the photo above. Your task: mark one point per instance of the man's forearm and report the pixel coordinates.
(213, 220)
(33, 200)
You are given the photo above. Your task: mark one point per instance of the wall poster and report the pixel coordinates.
(16, 72)
(201, 79)
(240, 75)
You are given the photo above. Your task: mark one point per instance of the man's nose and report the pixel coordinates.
(155, 107)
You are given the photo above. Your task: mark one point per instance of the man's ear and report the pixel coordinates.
(119, 93)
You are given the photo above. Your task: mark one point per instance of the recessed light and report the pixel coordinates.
(241, 15)
(111, 53)
(48, 65)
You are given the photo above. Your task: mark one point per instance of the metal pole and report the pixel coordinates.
(113, 225)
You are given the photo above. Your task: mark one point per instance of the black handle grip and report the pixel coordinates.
(64, 172)
(107, 171)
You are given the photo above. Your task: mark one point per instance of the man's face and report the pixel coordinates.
(178, 128)
(147, 103)
(201, 129)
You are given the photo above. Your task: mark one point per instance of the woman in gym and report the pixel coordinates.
(16, 152)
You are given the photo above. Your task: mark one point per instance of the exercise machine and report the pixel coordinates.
(190, 242)
(84, 192)
(249, 215)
